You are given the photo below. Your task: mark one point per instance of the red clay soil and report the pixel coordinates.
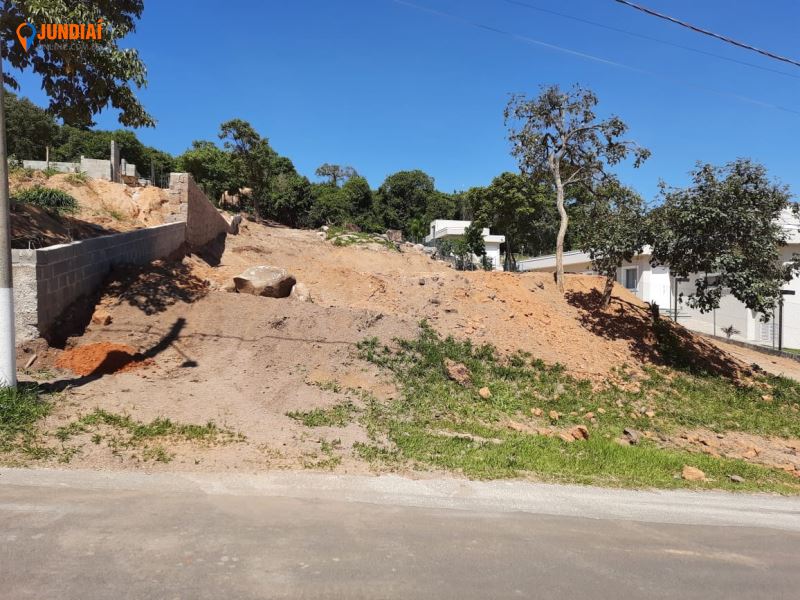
(100, 359)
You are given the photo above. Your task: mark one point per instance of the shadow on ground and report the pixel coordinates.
(653, 339)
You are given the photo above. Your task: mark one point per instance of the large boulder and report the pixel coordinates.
(263, 280)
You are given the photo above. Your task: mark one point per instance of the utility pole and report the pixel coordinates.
(8, 354)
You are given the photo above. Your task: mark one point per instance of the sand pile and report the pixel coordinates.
(100, 359)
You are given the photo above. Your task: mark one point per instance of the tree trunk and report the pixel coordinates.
(607, 290)
(562, 232)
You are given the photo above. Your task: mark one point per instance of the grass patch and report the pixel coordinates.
(339, 415)
(439, 423)
(77, 178)
(20, 410)
(127, 433)
(50, 199)
(339, 236)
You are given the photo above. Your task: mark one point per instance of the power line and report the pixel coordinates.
(599, 59)
(648, 38)
(649, 11)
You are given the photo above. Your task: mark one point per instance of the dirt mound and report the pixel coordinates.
(103, 207)
(102, 358)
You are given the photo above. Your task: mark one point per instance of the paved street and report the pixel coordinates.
(89, 535)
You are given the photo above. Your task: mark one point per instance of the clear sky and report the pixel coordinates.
(384, 86)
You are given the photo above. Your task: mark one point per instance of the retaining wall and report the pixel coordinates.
(41, 165)
(48, 280)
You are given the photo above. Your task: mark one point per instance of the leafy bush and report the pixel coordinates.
(48, 199)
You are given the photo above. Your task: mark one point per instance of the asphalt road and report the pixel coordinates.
(104, 535)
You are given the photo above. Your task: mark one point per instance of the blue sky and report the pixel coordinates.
(384, 86)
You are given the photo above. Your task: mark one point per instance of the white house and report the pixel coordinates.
(656, 284)
(442, 229)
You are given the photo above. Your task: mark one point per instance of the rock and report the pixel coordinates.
(554, 416)
(422, 281)
(419, 247)
(589, 416)
(692, 474)
(301, 293)
(623, 441)
(458, 372)
(322, 235)
(566, 437)
(394, 235)
(632, 435)
(601, 410)
(101, 317)
(234, 223)
(485, 393)
(766, 398)
(736, 478)
(650, 413)
(324, 228)
(579, 432)
(536, 412)
(271, 282)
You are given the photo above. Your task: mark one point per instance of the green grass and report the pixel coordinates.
(339, 236)
(335, 416)
(20, 410)
(439, 424)
(49, 199)
(122, 432)
(77, 178)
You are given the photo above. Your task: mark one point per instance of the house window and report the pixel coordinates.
(629, 277)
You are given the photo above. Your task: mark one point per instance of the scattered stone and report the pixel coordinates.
(766, 398)
(589, 416)
(692, 474)
(579, 432)
(272, 282)
(324, 228)
(435, 300)
(601, 410)
(536, 412)
(101, 317)
(394, 235)
(485, 393)
(301, 293)
(554, 416)
(234, 224)
(458, 372)
(567, 437)
(632, 435)
(422, 281)
(650, 414)
(736, 478)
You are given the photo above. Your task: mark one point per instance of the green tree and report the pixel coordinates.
(406, 196)
(726, 228)
(519, 208)
(335, 173)
(29, 129)
(212, 168)
(559, 134)
(612, 229)
(80, 80)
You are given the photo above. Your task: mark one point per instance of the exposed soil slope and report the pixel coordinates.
(204, 354)
(104, 207)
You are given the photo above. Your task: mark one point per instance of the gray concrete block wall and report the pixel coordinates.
(188, 202)
(96, 168)
(41, 165)
(49, 279)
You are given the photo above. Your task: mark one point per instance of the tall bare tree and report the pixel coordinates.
(558, 133)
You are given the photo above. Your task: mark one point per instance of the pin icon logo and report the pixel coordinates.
(26, 42)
